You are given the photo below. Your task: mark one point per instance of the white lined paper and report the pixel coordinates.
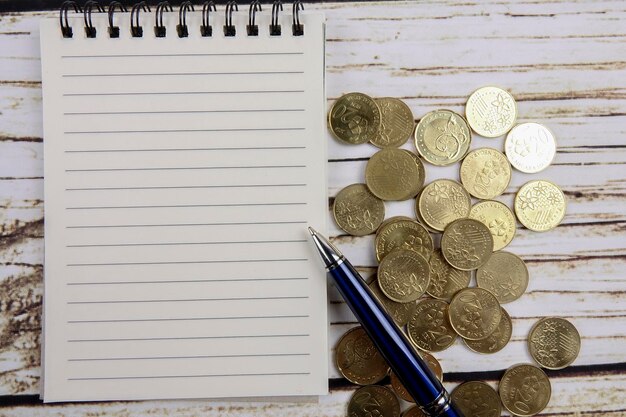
(179, 177)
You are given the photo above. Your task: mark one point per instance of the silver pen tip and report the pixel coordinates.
(329, 253)
(312, 231)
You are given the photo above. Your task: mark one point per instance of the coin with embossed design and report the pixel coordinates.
(504, 275)
(530, 147)
(554, 342)
(399, 312)
(357, 358)
(433, 364)
(477, 399)
(429, 328)
(354, 118)
(540, 205)
(403, 234)
(357, 211)
(498, 218)
(392, 220)
(485, 173)
(421, 172)
(392, 174)
(441, 202)
(396, 124)
(466, 244)
(445, 280)
(442, 137)
(399, 389)
(497, 340)
(491, 111)
(474, 313)
(525, 390)
(373, 400)
(414, 411)
(403, 275)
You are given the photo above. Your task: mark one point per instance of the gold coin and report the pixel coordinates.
(373, 400)
(466, 244)
(403, 234)
(421, 173)
(391, 174)
(403, 275)
(477, 399)
(392, 220)
(433, 364)
(354, 118)
(442, 137)
(498, 218)
(497, 340)
(357, 211)
(540, 205)
(429, 328)
(441, 202)
(474, 313)
(491, 111)
(399, 312)
(399, 389)
(504, 275)
(530, 147)
(525, 390)
(414, 411)
(485, 173)
(396, 124)
(445, 281)
(357, 358)
(554, 342)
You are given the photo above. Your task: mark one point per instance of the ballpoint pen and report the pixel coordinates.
(390, 340)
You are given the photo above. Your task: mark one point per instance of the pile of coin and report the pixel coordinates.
(426, 288)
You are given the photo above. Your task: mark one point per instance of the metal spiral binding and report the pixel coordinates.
(277, 7)
(66, 29)
(114, 31)
(90, 30)
(206, 29)
(229, 28)
(253, 28)
(181, 28)
(297, 27)
(136, 30)
(159, 27)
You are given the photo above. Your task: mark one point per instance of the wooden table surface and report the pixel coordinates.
(564, 62)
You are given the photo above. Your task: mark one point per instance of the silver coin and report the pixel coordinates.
(530, 147)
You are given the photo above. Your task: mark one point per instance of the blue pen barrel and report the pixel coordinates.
(390, 340)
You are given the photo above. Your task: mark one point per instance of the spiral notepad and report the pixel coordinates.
(184, 157)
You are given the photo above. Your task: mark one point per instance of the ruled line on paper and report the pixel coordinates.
(186, 74)
(185, 224)
(184, 168)
(188, 319)
(106, 113)
(157, 93)
(185, 376)
(241, 148)
(141, 339)
(187, 281)
(259, 355)
(184, 300)
(178, 54)
(297, 203)
(225, 261)
(256, 129)
(182, 187)
(225, 242)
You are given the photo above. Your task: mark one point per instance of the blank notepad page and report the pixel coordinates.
(180, 176)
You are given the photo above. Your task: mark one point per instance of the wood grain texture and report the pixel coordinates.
(564, 62)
